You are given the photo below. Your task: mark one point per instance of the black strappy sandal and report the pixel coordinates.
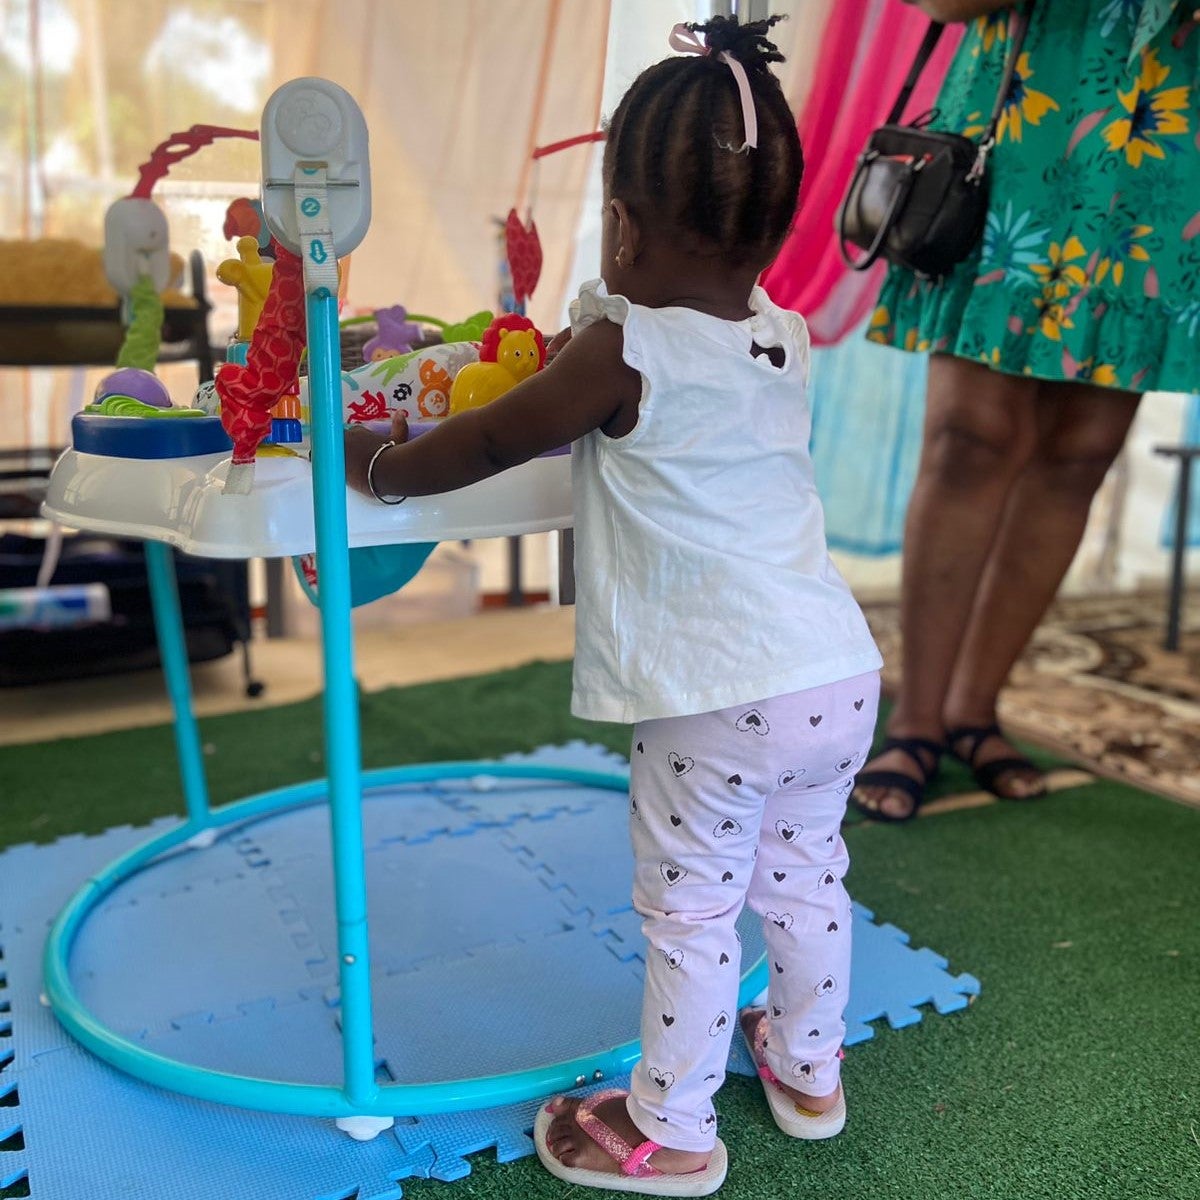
(988, 774)
(914, 789)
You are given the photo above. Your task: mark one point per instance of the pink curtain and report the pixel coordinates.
(866, 50)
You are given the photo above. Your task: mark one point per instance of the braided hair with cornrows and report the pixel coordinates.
(671, 149)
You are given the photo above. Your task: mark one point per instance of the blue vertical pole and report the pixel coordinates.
(341, 695)
(172, 649)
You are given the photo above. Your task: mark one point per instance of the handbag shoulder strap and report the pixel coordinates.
(1017, 29)
(924, 53)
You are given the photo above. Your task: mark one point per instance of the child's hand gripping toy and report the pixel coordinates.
(512, 350)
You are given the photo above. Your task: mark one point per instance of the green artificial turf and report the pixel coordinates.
(1075, 1074)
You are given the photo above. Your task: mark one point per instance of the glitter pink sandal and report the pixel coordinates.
(637, 1175)
(794, 1120)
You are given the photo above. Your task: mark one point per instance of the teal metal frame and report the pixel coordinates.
(360, 1095)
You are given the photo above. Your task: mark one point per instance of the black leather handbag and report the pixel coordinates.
(919, 196)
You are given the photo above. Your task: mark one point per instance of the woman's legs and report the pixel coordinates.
(980, 431)
(1081, 429)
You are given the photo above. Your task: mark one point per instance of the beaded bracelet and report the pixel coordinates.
(371, 477)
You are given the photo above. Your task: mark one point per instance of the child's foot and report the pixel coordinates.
(815, 1105)
(573, 1147)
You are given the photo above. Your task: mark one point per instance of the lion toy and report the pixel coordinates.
(511, 350)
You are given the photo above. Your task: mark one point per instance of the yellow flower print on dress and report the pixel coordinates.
(992, 29)
(1105, 374)
(1123, 248)
(1061, 276)
(880, 328)
(1062, 273)
(1023, 103)
(1153, 112)
(1054, 317)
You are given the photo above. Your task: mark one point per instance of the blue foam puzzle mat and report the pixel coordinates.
(529, 882)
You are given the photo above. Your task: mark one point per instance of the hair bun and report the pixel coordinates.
(747, 43)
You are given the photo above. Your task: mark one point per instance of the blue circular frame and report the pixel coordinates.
(303, 1099)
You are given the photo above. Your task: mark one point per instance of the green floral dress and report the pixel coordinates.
(1089, 266)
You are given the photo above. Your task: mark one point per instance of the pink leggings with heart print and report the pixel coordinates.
(727, 808)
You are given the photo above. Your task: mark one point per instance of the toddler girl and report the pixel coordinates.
(708, 612)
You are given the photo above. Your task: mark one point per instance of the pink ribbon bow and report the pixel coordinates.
(685, 41)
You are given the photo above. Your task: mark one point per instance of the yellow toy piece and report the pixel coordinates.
(512, 350)
(251, 277)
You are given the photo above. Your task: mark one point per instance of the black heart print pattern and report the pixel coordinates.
(674, 958)
(828, 878)
(815, 721)
(858, 706)
(723, 959)
(676, 821)
(780, 876)
(663, 1080)
(832, 927)
(752, 722)
(787, 778)
(727, 877)
(783, 920)
(680, 765)
(803, 1071)
(788, 830)
(826, 987)
(719, 1023)
(844, 763)
(726, 827)
(814, 1033)
(735, 779)
(633, 807)
(671, 873)
(778, 1012)
(707, 1123)
(668, 1021)
(640, 749)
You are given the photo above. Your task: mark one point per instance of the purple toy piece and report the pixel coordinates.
(397, 334)
(133, 381)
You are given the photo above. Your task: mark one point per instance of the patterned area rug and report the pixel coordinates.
(1097, 687)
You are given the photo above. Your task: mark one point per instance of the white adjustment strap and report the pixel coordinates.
(313, 123)
(316, 231)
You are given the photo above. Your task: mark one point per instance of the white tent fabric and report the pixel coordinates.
(457, 93)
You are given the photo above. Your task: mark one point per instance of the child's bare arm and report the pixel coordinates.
(581, 390)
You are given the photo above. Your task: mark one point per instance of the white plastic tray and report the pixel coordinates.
(180, 501)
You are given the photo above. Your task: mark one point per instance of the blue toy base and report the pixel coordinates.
(496, 906)
(148, 437)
